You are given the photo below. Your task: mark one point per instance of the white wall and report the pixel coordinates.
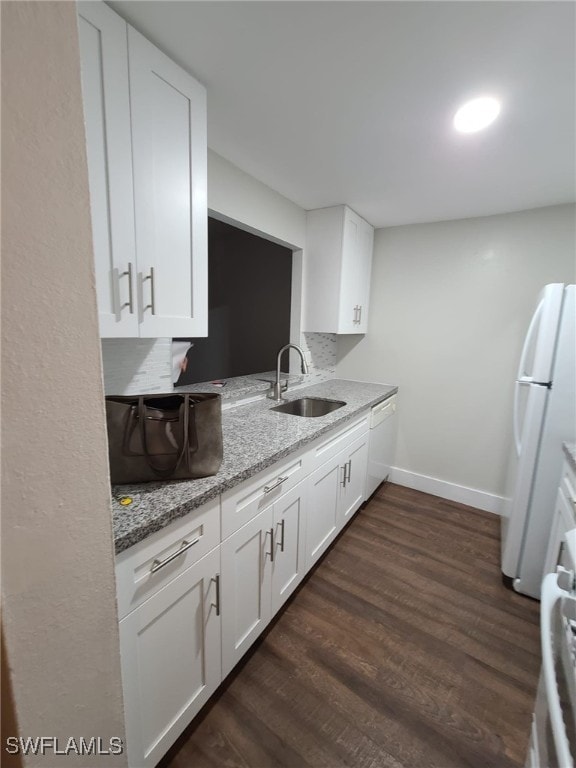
(448, 309)
(238, 198)
(58, 592)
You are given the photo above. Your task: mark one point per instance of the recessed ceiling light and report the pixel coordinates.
(476, 114)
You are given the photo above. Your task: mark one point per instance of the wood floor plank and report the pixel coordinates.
(402, 649)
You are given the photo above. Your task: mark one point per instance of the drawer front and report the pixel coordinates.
(241, 503)
(329, 448)
(152, 563)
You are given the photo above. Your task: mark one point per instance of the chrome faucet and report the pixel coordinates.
(276, 387)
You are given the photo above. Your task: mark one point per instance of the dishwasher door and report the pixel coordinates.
(382, 443)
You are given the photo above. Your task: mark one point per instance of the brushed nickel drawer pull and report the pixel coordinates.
(157, 564)
(268, 488)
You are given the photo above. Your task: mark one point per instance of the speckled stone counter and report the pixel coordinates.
(570, 453)
(254, 438)
(241, 387)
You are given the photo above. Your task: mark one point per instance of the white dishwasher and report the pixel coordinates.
(382, 443)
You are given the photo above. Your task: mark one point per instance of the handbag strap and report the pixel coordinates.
(166, 472)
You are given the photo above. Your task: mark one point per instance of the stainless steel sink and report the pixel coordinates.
(309, 407)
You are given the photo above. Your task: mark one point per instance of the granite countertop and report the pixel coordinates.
(254, 438)
(570, 453)
(241, 387)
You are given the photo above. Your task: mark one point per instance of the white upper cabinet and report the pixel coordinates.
(338, 265)
(109, 148)
(169, 150)
(146, 145)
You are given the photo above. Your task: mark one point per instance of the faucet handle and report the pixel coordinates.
(275, 391)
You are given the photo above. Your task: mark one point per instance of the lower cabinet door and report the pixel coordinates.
(171, 660)
(246, 586)
(353, 492)
(562, 522)
(323, 520)
(289, 563)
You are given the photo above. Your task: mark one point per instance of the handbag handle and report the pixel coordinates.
(166, 472)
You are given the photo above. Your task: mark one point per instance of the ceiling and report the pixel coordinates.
(352, 102)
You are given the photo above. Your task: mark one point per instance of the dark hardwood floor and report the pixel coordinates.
(402, 648)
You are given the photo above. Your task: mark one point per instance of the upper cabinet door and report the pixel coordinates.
(364, 261)
(170, 176)
(104, 64)
(337, 267)
(357, 246)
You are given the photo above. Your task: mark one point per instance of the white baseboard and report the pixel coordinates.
(489, 502)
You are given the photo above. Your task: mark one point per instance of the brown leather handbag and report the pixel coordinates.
(164, 437)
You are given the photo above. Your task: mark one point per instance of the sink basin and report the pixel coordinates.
(309, 407)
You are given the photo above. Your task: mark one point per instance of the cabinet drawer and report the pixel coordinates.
(241, 503)
(328, 449)
(140, 571)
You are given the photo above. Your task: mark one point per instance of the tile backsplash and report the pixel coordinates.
(320, 349)
(137, 366)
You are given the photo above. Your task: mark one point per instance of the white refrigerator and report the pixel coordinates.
(544, 416)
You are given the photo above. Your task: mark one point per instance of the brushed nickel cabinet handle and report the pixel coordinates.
(130, 303)
(282, 532)
(268, 488)
(343, 481)
(271, 532)
(349, 465)
(157, 564)
(152, 305)
(216, 579)
(359, 313)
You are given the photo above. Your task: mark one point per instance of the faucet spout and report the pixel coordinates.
(276, 388)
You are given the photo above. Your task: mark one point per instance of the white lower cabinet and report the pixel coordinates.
(564, 519)
(262, 564)
(337, 489)
(171, 663)
(289, 564)
(246, 580)
(353, 491)
(194, 596)
(322, 523)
